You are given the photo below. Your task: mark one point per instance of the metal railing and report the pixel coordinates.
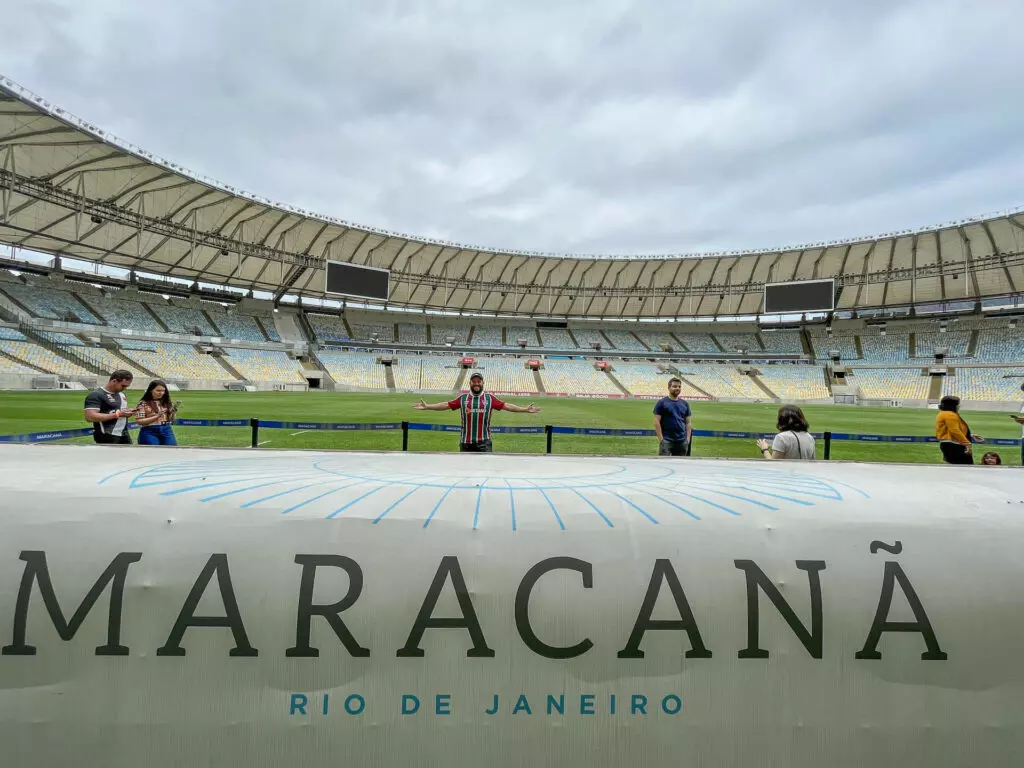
(548, 430)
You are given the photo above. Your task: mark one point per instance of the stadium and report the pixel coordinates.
(310, 576)
(116, 258)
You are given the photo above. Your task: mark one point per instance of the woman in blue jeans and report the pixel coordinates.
(155, 414)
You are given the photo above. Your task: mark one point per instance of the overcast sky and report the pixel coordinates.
(604, 126)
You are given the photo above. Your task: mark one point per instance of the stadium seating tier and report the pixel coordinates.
(890, 383)
(354, 369)
(49, 303)
(576, 378)
(795, 382)
(265, 366)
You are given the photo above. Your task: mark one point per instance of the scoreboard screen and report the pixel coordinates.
(357, 281)
(800, 296)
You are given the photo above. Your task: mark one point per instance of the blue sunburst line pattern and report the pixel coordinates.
(394, 504)
(556, 492)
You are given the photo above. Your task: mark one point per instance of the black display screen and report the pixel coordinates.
(803, 296)
(354, 280)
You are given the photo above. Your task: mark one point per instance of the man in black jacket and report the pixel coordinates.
(106, 408)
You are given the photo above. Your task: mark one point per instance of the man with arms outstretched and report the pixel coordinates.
(673, 422)
(477, 407)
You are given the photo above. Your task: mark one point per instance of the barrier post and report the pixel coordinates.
(405, 435)
(254, 425)
(548, 434)
(828, 446)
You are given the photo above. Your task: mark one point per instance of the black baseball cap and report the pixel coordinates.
(476, 375)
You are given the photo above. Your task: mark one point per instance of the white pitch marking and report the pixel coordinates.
(304, 431)
(264, 442)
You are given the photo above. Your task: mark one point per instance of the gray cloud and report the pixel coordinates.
(611, 126)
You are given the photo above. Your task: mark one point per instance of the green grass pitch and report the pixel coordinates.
(23, 412)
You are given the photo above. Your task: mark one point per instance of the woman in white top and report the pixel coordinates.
(793, 441)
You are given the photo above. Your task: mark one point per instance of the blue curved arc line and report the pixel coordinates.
(126, 471)
(545, 487)
(398, 478)
(354, 501)
(393, 505)
(226, 463)
(214, 466)
(484, 480)
(592, 506)
(415, 477)
(851, 487)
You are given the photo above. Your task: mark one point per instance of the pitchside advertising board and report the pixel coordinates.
(186, 607)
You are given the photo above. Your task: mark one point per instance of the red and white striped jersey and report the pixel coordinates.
(476, 415)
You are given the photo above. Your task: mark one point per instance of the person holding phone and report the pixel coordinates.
(794, 440)
(106, 408)
(154, 415)
(953, 434)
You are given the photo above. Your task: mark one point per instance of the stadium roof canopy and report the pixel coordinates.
(70, 189)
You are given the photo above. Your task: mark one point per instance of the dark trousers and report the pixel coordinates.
(480, 446)
(104, 439)
(954, 453)
(673, 448)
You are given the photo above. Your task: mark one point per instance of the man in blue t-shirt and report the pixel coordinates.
(672, 422)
